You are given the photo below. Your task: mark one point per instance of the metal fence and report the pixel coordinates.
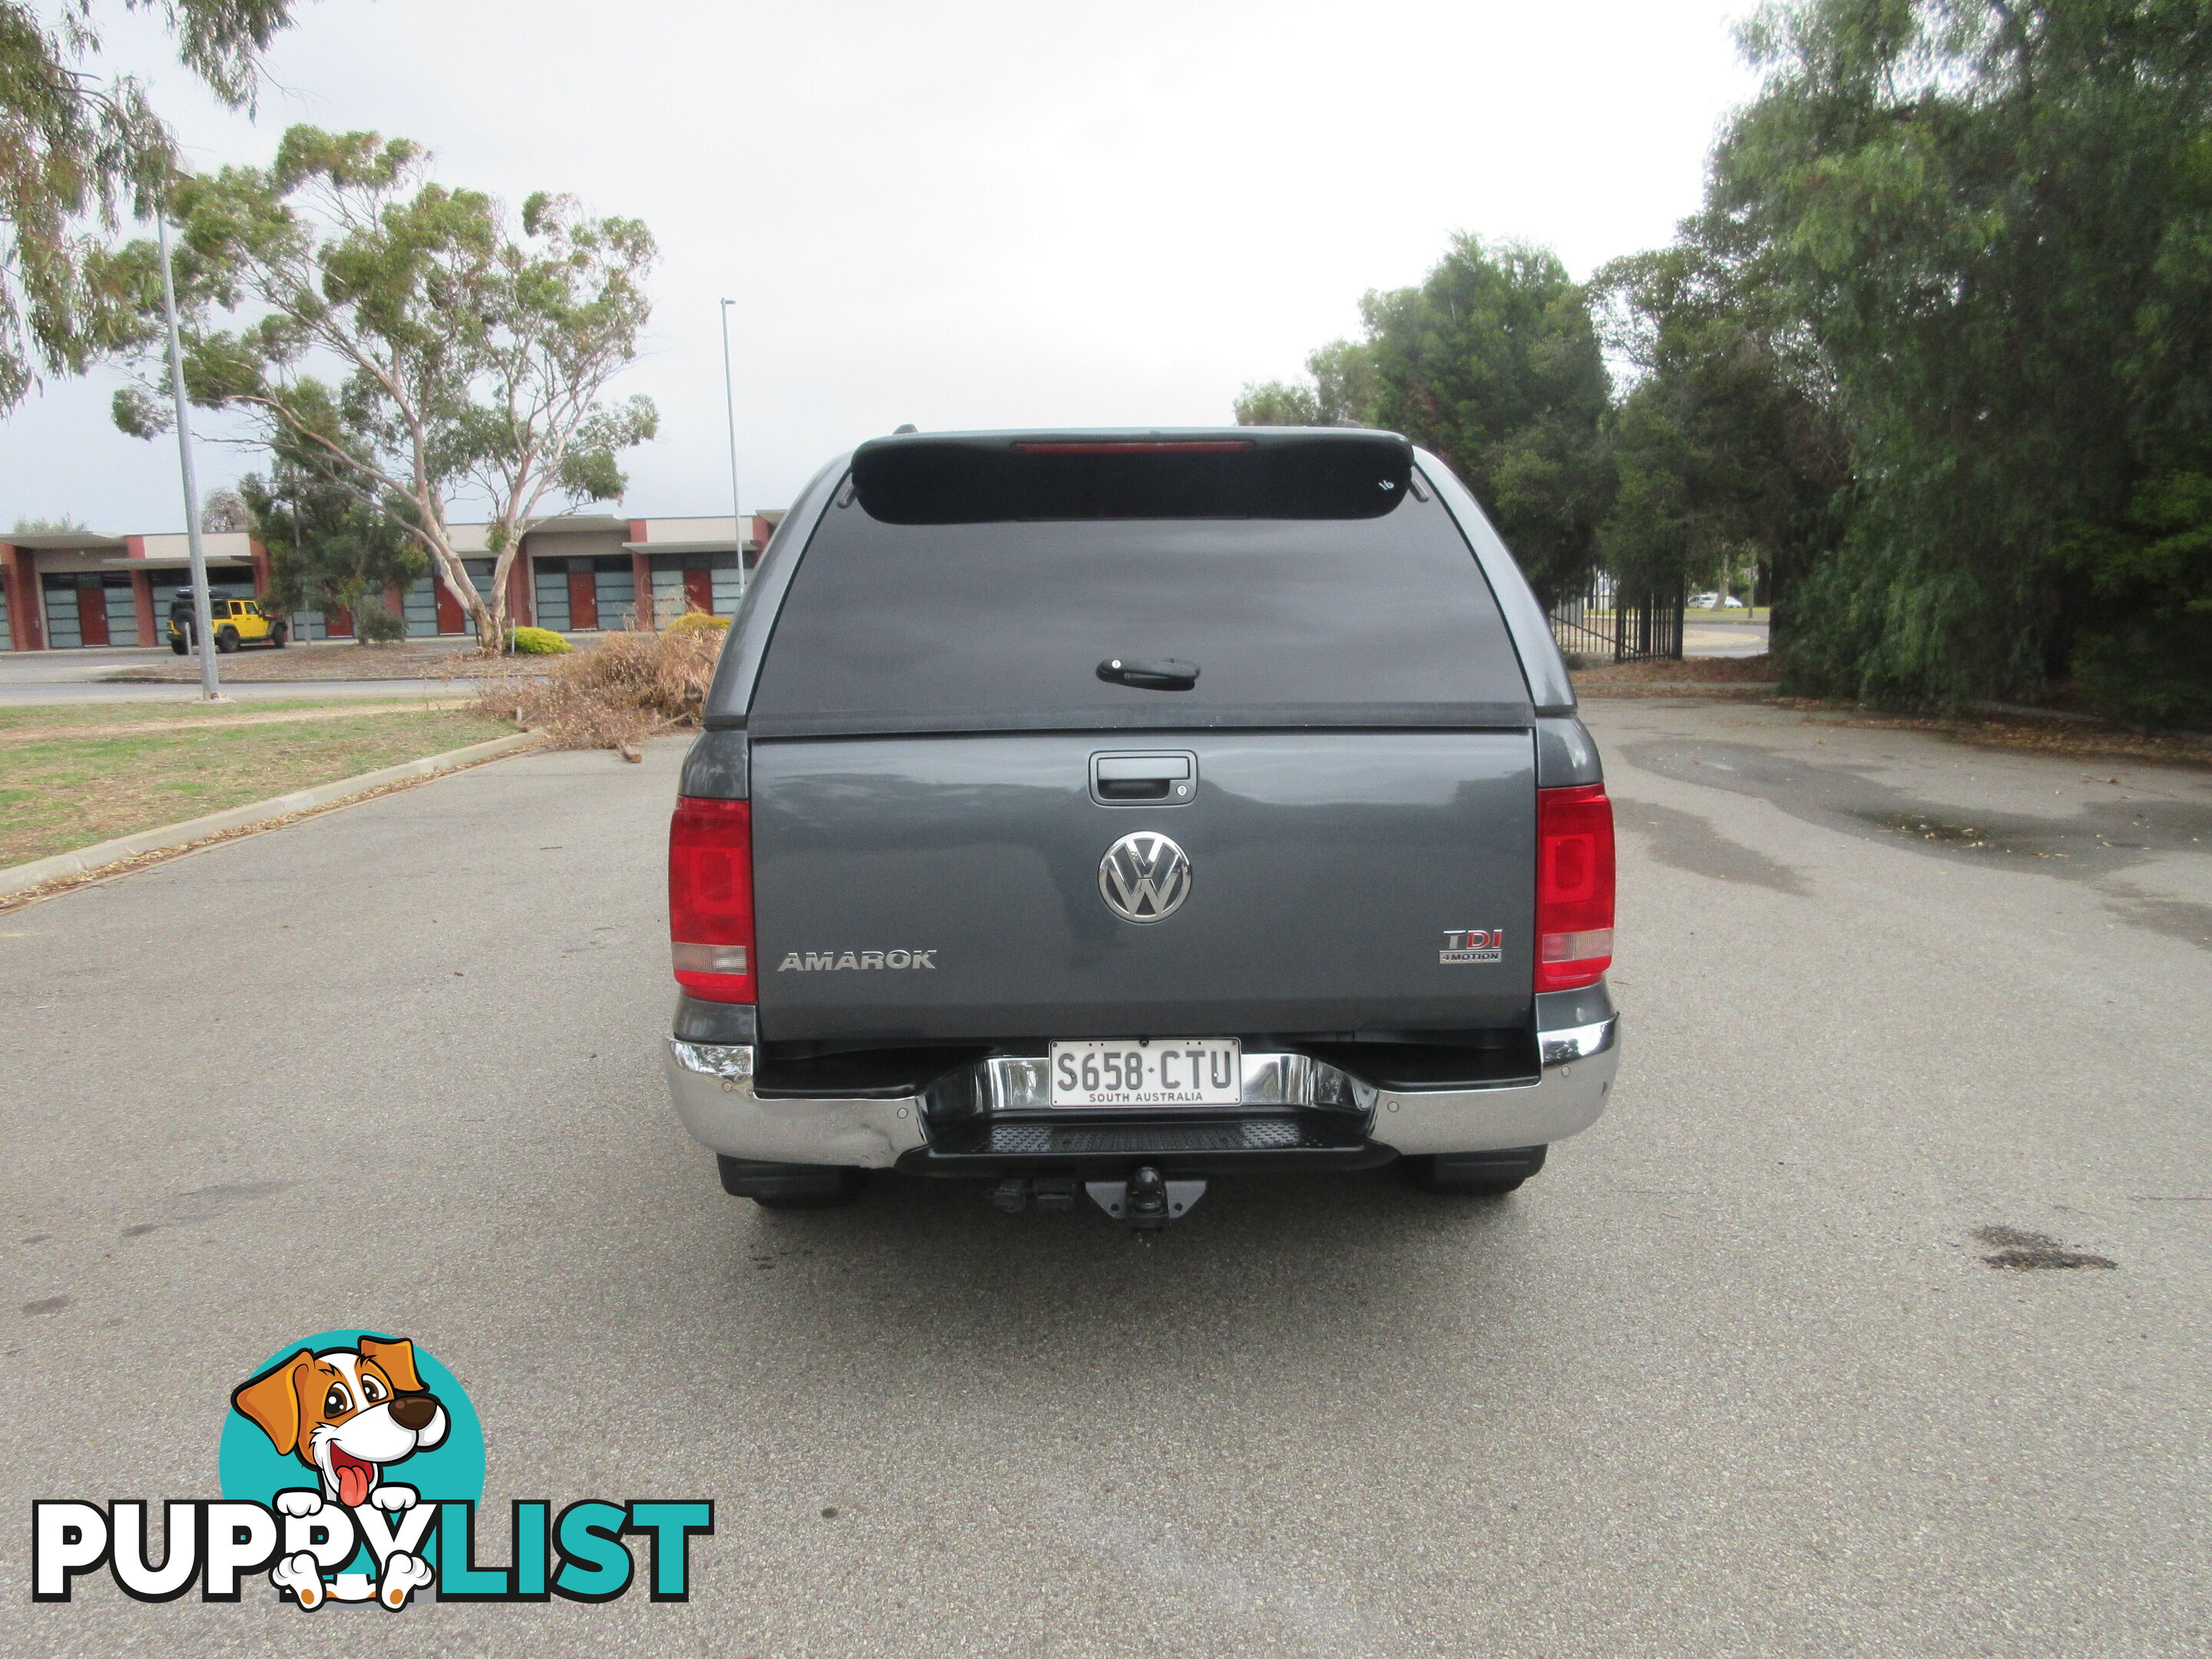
(1600, 625)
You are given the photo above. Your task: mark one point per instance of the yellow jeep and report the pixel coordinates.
(235, 622)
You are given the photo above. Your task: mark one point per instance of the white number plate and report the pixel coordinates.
(1149, 1071)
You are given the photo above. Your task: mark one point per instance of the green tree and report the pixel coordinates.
(326, 551)
(2144, 650)
(1342, 392)
(1493, 362)
(1726, 445)
(75, 150)
(344, 305)
(1279, 402)
(1994, 219)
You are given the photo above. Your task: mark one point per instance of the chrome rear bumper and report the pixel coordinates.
(713, 1084)
(1566, 1098)
(713, 1087)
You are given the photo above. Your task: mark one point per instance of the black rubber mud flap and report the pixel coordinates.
(791, 1185)
(1476, 1175)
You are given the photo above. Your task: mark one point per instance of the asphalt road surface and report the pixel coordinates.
(75, 677)
(1723, 638)
(1731, 1377)
(85, 663)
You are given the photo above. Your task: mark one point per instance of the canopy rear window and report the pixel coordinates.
(997, 479)
(1261, 621)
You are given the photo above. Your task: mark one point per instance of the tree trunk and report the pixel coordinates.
(502, 568)
(490, 636)
(446, 565)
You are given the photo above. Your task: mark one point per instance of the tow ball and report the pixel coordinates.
(1147, 1201)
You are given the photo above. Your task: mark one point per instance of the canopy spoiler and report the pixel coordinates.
(1235, 472)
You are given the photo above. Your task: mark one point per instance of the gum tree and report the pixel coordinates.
(1997, 220)
(75, 148)
(1342, 394)
(1725, 442)
(326, 551)
(1493, 362)
(346, 308)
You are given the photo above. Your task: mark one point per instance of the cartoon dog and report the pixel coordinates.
(349, 1414)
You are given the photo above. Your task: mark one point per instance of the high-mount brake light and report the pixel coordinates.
(1574, 887)
(1139, 447)
(710, 898)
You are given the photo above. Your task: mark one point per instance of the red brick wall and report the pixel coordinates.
(25, 620)
(141, 594)
(521, 609)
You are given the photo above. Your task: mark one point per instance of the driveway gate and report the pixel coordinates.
(1599, 624)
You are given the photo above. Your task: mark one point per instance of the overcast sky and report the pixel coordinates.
(967, 213)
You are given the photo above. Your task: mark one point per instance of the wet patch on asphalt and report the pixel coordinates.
(1687, 841)
(2098, 841)
(1968, 836)
(2175, 918)
(2027, 1252)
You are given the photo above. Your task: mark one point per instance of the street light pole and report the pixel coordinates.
(203, 610)
(730, 407)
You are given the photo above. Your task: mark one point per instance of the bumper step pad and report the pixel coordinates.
(1081, 1140)
(1115, 1150)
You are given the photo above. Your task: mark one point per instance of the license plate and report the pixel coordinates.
(1149, 1071)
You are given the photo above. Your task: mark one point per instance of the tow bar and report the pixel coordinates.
(1146, 1201)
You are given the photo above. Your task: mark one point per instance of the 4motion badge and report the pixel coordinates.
(1473, 945)
(1143, 877)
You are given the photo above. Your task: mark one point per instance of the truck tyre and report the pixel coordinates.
(280, 635)
(177, 644)
(225, 641)
(1476, 1175)
(791, 1185)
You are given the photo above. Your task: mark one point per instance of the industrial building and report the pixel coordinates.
(64, 590)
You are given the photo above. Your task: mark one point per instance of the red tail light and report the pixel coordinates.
(1139, 447)
(1574, 887)
(710, 898)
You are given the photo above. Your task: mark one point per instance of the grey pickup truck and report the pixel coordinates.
(1097, 813)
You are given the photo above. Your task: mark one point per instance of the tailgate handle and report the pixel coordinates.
(1170, 777)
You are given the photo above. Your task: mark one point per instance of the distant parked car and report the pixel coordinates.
(235, 622)
(1704, 601)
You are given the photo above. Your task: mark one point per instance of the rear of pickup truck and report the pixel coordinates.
(1113, 811)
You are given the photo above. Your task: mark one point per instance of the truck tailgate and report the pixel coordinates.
(949, 887)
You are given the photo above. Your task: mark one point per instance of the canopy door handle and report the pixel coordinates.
(1149, 673)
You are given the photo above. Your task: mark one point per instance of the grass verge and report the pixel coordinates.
(105, 719)
(61, 790)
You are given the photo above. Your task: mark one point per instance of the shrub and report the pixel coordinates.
(537, 643)
(628, 686)
(694, 622)
(375, 625)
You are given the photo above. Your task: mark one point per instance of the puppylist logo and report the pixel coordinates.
(351, 1465)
